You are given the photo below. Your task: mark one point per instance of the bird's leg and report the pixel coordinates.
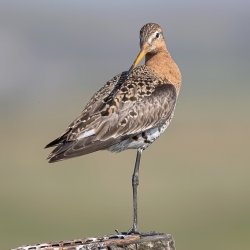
(135, 183)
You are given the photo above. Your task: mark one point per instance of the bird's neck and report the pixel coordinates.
(165, 67)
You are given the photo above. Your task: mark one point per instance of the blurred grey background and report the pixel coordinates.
(194, 180)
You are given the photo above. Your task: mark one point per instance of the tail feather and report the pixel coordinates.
(59, 140)
(61, 148)
(77, 148)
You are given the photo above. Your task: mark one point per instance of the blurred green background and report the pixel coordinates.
(194, 181)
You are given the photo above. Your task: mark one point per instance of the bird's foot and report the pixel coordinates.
(131, 231)
(151, 233)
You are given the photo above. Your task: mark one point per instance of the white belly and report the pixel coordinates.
(142, 140)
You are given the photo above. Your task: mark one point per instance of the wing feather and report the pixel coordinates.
(139, 103)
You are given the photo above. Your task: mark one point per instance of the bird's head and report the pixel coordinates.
(151, 42)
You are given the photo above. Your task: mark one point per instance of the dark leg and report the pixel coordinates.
(135, 183)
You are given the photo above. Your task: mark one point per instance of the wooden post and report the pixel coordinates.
(145, 241)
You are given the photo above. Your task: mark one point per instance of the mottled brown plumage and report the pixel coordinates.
(131, 110)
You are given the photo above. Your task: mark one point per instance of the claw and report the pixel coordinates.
(118, 232)
(133, 231)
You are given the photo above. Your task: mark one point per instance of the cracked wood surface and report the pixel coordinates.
(146, 241)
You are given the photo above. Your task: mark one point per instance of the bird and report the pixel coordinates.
(129, 112)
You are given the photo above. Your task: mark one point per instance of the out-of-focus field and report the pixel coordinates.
(194, 181)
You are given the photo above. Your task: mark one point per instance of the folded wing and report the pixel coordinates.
(121, 109)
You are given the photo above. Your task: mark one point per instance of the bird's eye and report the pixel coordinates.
(157, 35)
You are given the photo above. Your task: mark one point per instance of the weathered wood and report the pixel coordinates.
(146, 241)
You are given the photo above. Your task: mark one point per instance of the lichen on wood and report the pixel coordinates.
(144, 241)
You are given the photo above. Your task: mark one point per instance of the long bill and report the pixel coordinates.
(143, 52)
